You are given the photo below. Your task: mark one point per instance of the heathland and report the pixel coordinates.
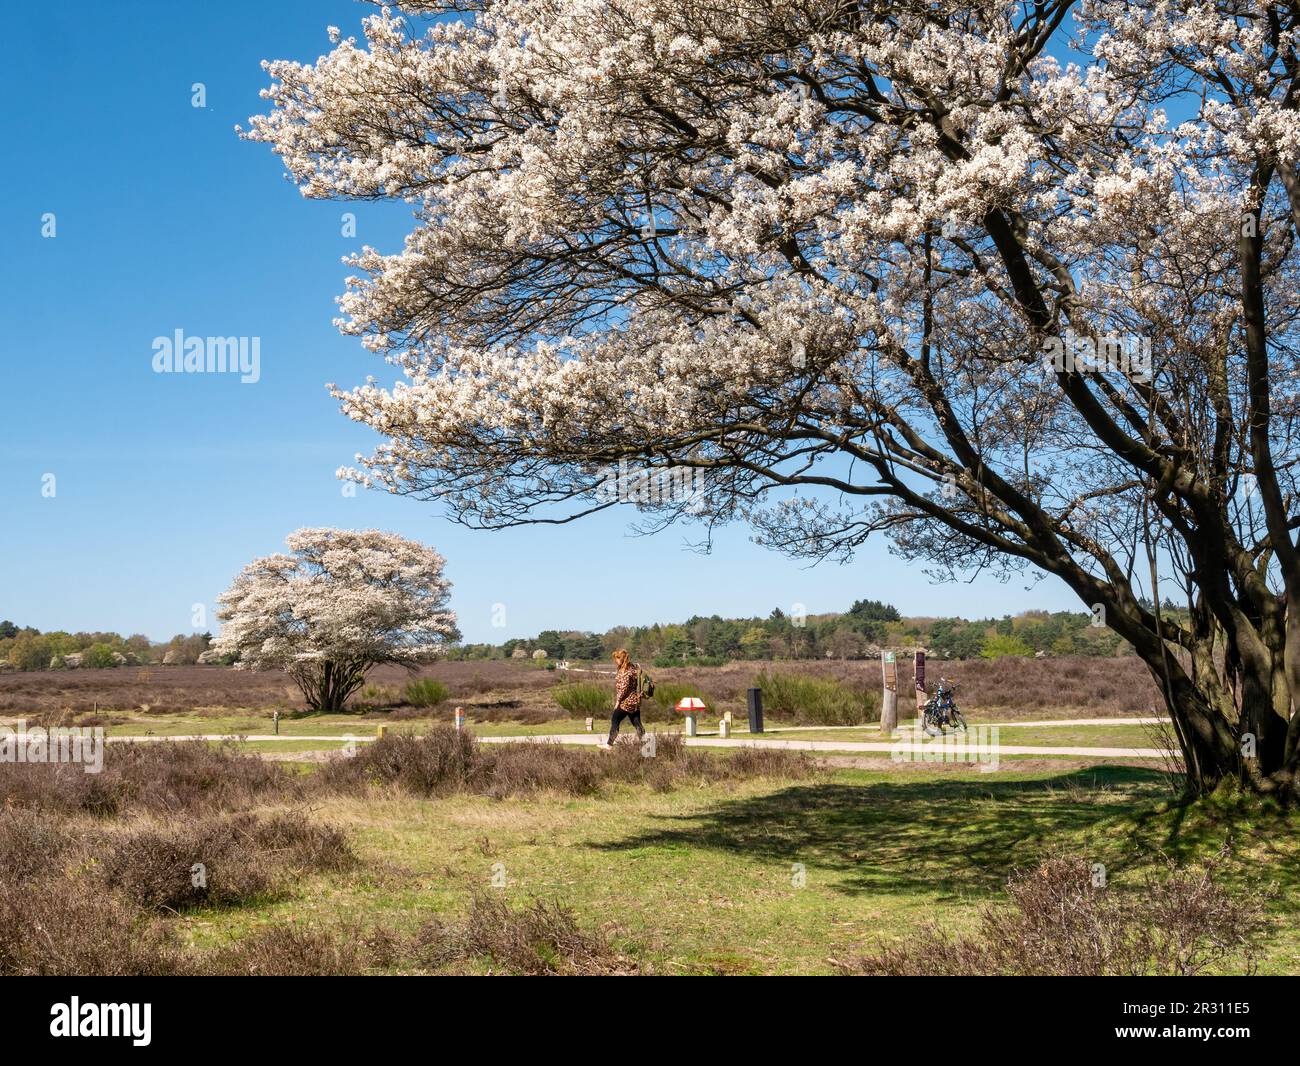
(432, 850)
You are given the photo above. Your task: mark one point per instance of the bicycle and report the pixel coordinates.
(941, 710)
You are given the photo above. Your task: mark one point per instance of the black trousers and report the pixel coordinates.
(616, 719)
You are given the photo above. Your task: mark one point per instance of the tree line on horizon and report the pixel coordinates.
(859, 633)
(27, 648)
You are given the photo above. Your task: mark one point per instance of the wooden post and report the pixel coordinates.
(889, 698)
(460, 717)
(920, 687)
(690, 725)
(754, 701)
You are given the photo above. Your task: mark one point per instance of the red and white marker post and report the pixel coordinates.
(691, 706)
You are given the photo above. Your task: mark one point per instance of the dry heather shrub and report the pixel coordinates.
(476, 684)
(443, 761)
(31, 845)
(447, 761)
(286, 951)
(58, 787)
(70, 927)
(164, 776)
(295, 841)
(540, 939)
(1060, 924)
(243, 858)
(523, 769)
(769, 762)
(194, 776)
(674, 764)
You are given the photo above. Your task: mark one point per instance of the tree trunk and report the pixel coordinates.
(1218, 743)
(327, 687)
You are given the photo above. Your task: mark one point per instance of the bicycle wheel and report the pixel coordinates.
(958, 720)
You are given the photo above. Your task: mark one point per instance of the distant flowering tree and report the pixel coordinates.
(1012, 283)
(341, 602)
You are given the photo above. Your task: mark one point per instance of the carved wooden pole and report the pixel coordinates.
(920, 687)
(889, 700)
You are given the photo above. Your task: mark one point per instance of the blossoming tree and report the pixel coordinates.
(1011, 283)
(340, 603)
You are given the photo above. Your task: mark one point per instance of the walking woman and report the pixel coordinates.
(627, 695)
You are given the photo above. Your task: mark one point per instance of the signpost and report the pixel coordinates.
(691, 706)
(889, 701)
(920, 687)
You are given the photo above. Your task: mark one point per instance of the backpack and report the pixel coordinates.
(645, 684)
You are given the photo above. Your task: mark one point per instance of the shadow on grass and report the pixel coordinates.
(1262, 842)
(943, 837)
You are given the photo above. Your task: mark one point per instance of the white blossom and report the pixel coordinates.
(341, 602)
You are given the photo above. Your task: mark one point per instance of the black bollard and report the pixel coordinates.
(754, 698)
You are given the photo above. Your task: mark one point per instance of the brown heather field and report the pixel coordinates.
(513, 691)
(1073, 687)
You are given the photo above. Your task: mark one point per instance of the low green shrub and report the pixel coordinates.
(816, 701)
(585, 698)
(426, 692)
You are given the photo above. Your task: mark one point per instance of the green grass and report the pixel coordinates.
(241, 723)
(702, 878)
(1102, 736)
(286, 746)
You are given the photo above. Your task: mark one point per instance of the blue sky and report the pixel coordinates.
(165, 485)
